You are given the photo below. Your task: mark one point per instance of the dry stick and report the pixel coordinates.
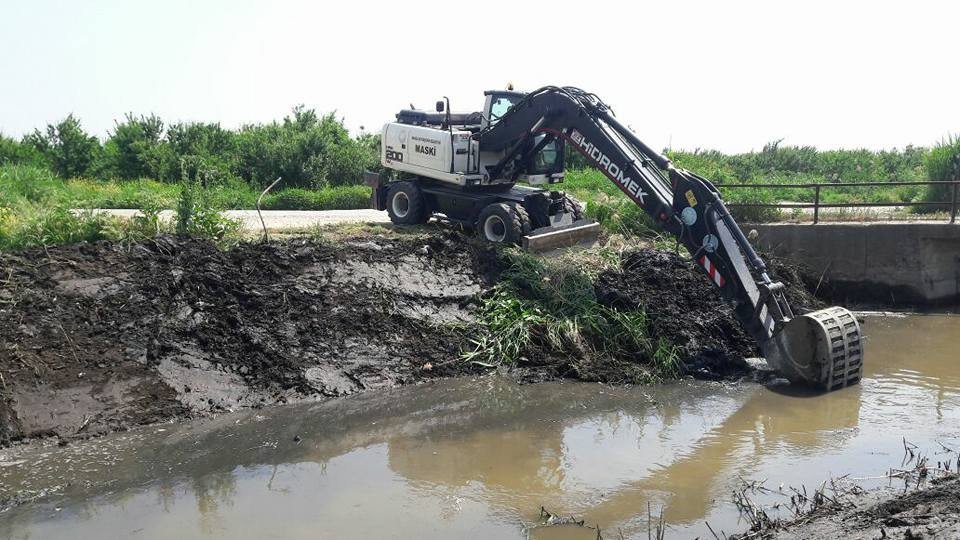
(648, 521)
(945, 447)
(266, 237)
(711, 530)
(73, 349)
(86, 420)
(819, 281)
(661, 529)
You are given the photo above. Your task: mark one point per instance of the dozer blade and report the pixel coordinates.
(547, 238)
(823, 349)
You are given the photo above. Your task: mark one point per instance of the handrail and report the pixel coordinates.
(817, 187)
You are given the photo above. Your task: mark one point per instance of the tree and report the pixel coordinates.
(68, 148)
(134, 147)
(15, 153)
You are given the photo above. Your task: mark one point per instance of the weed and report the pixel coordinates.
(196, 215)
(544, 307)
(943, 164)
(333, 198)
(38, 226)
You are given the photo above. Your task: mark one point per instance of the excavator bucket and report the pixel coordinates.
(823, 349)
(547, 238)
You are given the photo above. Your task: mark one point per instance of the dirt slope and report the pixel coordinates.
(96, 338)
(930, 512)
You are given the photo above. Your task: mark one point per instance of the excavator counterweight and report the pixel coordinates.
(483, 169)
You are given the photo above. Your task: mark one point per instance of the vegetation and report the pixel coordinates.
(197, 168)
(21, 183)
(35, 210)
(543, 307)
(943, 164)
(196, 215)
(143, 160)
(306, 149)
(775, 164)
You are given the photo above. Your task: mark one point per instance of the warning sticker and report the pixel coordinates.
(691, 198)
(712, 271)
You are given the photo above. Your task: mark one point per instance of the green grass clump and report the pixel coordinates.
(35, 210)
(549, 307)
(606, 204)
(37, 226)
(196, 213)
(943, 164)
(332, 198)
(24, 183)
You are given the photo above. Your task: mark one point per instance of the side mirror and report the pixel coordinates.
(440, 106)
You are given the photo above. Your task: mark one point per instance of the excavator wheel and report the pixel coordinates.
(406, 204)
(503, 222)
(823, 349)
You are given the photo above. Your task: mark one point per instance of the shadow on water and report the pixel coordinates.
(479, 457)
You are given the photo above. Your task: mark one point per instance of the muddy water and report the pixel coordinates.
(479, 457)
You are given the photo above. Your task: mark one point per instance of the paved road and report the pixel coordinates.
(281, 220)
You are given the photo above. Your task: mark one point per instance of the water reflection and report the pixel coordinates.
(479, 457)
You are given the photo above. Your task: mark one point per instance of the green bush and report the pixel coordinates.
(133, 149)
(66, 146)
(15, 153)
(943, 164)
(306, 150)
(334, 198)
(216, 146)
(751, 196)
(196, 213)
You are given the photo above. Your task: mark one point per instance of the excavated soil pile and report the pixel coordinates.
(99, 337)
(94, 338)
(683, 306)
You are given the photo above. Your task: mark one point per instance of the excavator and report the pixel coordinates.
(487, 170)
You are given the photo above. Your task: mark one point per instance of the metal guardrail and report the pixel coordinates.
(817, 188)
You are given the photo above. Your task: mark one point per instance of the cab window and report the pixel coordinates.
(499, 107)
(546, 160)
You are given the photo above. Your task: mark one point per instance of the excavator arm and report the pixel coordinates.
(822, 348)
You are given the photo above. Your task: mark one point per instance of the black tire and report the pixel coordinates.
(571, 206)
(406, 204)
(525, 224)
(503, 223)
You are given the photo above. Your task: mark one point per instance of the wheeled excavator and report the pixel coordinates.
(496, 170)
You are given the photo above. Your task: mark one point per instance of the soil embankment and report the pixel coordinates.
(97, 338)
(932, 511)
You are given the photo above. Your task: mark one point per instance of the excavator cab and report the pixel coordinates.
(543, 162)
(496, 104)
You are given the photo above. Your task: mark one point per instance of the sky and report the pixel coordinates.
(683, 74)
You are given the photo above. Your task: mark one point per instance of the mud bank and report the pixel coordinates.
(932, 511)
(98, 338)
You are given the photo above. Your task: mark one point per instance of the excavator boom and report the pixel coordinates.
(822, 348)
